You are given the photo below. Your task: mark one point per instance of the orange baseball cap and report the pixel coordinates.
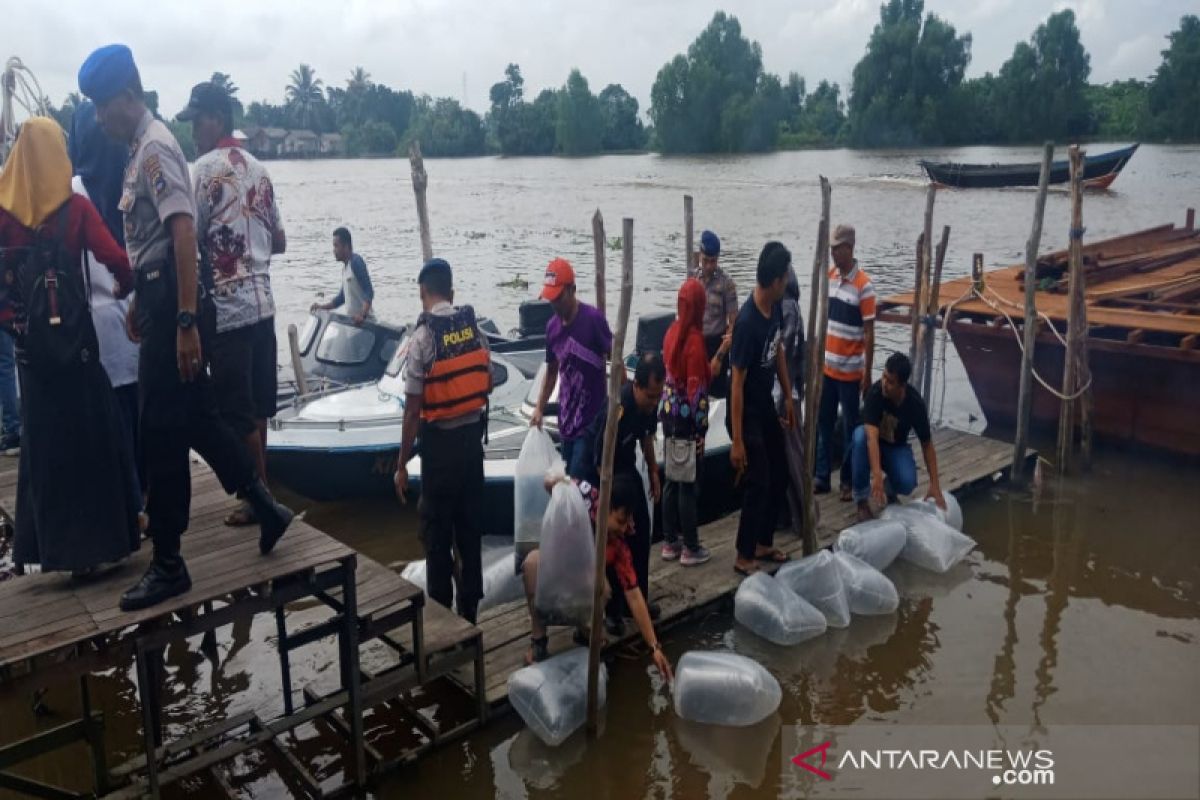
(559, 275)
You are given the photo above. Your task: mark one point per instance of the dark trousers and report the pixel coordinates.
(450, 507)
(835, 393)
(765, 481)
(718, 387)
(127, 404)
(680, 513)
(176, 417)
(639, 548)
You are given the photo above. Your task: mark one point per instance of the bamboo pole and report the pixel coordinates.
(924, 272)
(1083, 369)
(615, 380)
(599, 245)
(931, 311)
(1076, 315)
(818, 313)
(689, 227)
(297, 366)
(1025, 392)
(420, 181)
(918, 302)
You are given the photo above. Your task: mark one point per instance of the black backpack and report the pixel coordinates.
(49, 291)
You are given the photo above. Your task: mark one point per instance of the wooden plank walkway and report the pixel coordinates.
(964, 461)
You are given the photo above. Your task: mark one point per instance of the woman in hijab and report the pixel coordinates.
(74, 509)
(684, 415)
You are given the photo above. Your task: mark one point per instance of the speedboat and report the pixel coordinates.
(336, 353)
(345, 442)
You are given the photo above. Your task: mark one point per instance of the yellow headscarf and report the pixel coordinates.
(36, 179)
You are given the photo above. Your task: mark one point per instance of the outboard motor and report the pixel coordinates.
(534, 316)
(651, 330)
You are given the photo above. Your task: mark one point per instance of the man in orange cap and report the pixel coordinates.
(578, 343)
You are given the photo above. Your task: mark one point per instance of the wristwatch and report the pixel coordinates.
(185, 320)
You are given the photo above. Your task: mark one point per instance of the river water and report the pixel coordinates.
(1081, 604)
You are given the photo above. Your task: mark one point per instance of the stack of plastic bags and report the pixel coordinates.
(551, 696)
(931, 543)
(770, 609)
(724, 689)
(816, 579)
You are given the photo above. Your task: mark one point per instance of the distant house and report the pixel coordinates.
(265, 142)
(241, 138)
(301, 143)
(332, 144)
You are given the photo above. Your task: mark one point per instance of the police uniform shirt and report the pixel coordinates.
(156, 187)
(421, 353)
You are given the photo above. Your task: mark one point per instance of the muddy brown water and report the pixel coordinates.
(1080, 605)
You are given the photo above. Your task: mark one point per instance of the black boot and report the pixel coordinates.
(163, 579)
(273, 517)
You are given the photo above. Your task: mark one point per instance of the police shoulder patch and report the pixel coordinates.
(154, 174)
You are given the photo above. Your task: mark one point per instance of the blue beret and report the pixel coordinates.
(433, 266)
(710, 245)
(106, 72)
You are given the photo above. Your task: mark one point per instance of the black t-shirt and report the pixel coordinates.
(894, 422)
(632, 427)
(755, 341)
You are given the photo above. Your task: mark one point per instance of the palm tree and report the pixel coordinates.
(225, 82)
(304, 94)
(360, 79)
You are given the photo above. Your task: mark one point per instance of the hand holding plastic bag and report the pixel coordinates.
(538, 455)
(567, 560)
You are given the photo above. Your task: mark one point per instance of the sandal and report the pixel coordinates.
(745, 571)
(539, 650)
(775, 556)
(241, 516)
(847, 494)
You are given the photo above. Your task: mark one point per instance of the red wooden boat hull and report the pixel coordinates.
(1142, 394)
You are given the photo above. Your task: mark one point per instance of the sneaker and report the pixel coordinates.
(10, 445)
(692, 558)
(670, 551)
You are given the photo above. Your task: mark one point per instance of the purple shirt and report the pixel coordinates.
(580, 350)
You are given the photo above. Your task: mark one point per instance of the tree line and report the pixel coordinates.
(908, 89)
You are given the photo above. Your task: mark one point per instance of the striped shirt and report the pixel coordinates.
(851, 304)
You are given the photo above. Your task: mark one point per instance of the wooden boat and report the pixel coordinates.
(1098, 172)
(1143, 312)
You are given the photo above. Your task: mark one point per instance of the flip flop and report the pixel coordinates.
(775, 556)
(745, 572)
(241, 516)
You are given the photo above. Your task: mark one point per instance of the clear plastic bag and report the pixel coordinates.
(500, 584)
(931, 544)
(876, 541)
(566, 560)
(817, 579)
(773, 611)
(538, 455)
(952, 516)
(724, 689)
(551, 696)
(868, 590)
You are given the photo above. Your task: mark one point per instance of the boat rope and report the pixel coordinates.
(19, 84)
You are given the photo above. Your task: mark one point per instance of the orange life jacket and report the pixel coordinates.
(460, 377)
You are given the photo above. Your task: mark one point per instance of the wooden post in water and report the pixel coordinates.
(917, 304)
(1025, 392)
(420, 182)
(689, 228)
(615, 380)
(1190, 222)
(931, 311)
(924, 270)
(1076, 317)
(818, 313)
(598, 246)
(297, 365)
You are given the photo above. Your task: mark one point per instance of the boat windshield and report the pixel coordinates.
(396, 364)
(309, 333)
(345, 344)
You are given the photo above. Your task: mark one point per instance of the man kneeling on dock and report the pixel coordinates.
(892, 408)
(627, 492)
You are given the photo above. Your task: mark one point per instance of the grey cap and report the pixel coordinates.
(842, 234)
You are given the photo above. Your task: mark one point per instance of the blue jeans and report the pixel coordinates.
(836, 393)
(10, 406)
(578, 455)
(896, 461)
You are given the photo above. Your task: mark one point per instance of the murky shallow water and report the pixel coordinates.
(1081, 605)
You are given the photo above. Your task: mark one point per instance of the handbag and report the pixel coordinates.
(680, 455)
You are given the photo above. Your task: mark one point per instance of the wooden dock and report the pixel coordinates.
(53, 629)
(964, 460)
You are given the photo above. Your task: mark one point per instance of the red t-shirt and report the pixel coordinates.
(616, 553)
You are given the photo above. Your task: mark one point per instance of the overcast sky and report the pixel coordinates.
(439, 47)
